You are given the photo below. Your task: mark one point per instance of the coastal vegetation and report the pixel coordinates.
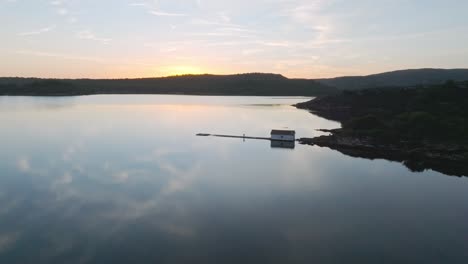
(424, 127)
(241, 84)
(400, 78)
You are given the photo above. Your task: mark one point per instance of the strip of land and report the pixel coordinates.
(255, 84)
(250, 84)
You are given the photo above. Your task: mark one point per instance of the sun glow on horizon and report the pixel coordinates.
(180, 70)
(296, 38)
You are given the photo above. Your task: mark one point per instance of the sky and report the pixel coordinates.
(296, 38)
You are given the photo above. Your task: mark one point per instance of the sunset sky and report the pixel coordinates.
(297, 38)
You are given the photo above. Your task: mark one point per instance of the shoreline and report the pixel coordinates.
(448, 156)
(449, 160)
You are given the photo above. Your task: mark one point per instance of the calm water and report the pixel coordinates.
(124, 179)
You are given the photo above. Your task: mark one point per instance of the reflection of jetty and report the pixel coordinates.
(231, 136)
(279, 138)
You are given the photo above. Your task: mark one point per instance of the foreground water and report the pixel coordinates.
(124, 179)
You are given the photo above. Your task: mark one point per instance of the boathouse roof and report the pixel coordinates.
(283, 132)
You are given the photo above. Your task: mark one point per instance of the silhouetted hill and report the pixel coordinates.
(239, 84)
(402, 78)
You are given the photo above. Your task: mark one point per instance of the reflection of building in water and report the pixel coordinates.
(283, 144)
(283, 135)
(283, 138)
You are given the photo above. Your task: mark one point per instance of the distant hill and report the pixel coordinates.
(240, 84)
(261, 84)
(402, 78)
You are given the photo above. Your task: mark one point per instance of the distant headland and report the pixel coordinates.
(249, 84)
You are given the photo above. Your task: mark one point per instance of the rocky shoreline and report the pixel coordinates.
(450, 160)
(447, 158)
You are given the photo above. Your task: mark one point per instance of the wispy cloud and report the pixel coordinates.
(168, 50)
(88, 35)
(276, 43)
(249, 52)
(306, 12)
(219, 34)
(65, 179)
(226, 30)
(37, 32)
(23, 164)
(152, 8)
(208, 31)
(61, 8)
(138, 4)
(57, 2)
(201, 21)
(62, 11)
(224, 17)
(60, 56)
(161, 13)
(312, 18)
(65, 56)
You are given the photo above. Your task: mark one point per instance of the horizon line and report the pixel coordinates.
(228, 74)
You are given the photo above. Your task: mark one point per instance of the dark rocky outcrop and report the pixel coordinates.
(424, 128)
(447, 159)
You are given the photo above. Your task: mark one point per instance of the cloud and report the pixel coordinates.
(23, 165)
(219, 34)
(276, 43)
(66, 179)
(138, 4)
(237, 29)
(200, 21)
(121, 177)
(249, 52)
(153, 9)
(62, 11)
(71, 150)
(225, 18)
(60, 56)
(88, 35)
(56, 2)
(307, 12)
(160, 13)
(37, 32)
(169, 49)
(72, 20)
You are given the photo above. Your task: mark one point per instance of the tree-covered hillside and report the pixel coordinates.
(241, 84)
(402, 78)
(433, 113)
(424, 127)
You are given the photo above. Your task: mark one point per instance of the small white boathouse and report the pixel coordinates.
(283, 135)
